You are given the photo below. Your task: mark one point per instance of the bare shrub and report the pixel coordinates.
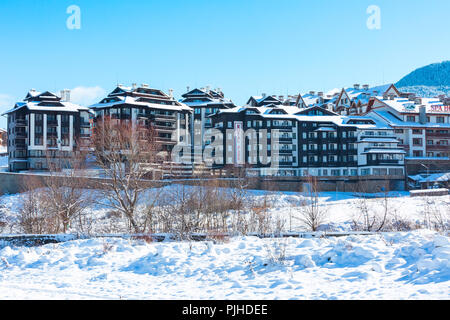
(276, 251)
(436, 214)
(260, 217)
(34, 214)
(374, 213)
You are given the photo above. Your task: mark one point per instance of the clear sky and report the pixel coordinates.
(245, 47)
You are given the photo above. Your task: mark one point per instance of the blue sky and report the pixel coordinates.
(245, 47)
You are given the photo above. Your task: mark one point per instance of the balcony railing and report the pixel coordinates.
(436, 134)
(21, 122)
(21, 135)
(439, 147)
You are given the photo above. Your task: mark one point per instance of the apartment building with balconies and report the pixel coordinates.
(46, 128)
(142, 106)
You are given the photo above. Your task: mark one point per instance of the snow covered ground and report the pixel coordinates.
(395, 265)
(3, 162)
(412, 265)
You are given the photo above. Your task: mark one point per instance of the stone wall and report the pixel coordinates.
(13, 183)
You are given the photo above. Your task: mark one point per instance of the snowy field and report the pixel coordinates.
(392, 265)
(413, 265)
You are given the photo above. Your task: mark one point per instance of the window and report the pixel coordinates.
(411, 118)
(440, 119)
(335, 172)
(396, 172)
(417, 131)
(398, 130)
(417, 141)
(380, 172)
(38, 141)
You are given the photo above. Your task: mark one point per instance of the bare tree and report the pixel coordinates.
(65, 195)
(385, 205)
(312, 214)
(127, 154)
(374, 211)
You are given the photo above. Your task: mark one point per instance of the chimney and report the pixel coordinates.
(188, 89)
(207, 88)
(65, 95)
(356, 86)
(144, 85)
(171, 93)
(366, 87)
(281, 98)
(320, 94)
(263, 95)
(422, 115)
(312, 93)
(412, 97)
(418, 101)
(134, 86)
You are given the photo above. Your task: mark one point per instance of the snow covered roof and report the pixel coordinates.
(381, 140)
(60, 106)
(394, 121)
(396, 151)
(138, 96)
(291, 113)
(404, 105)
(435, 177)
